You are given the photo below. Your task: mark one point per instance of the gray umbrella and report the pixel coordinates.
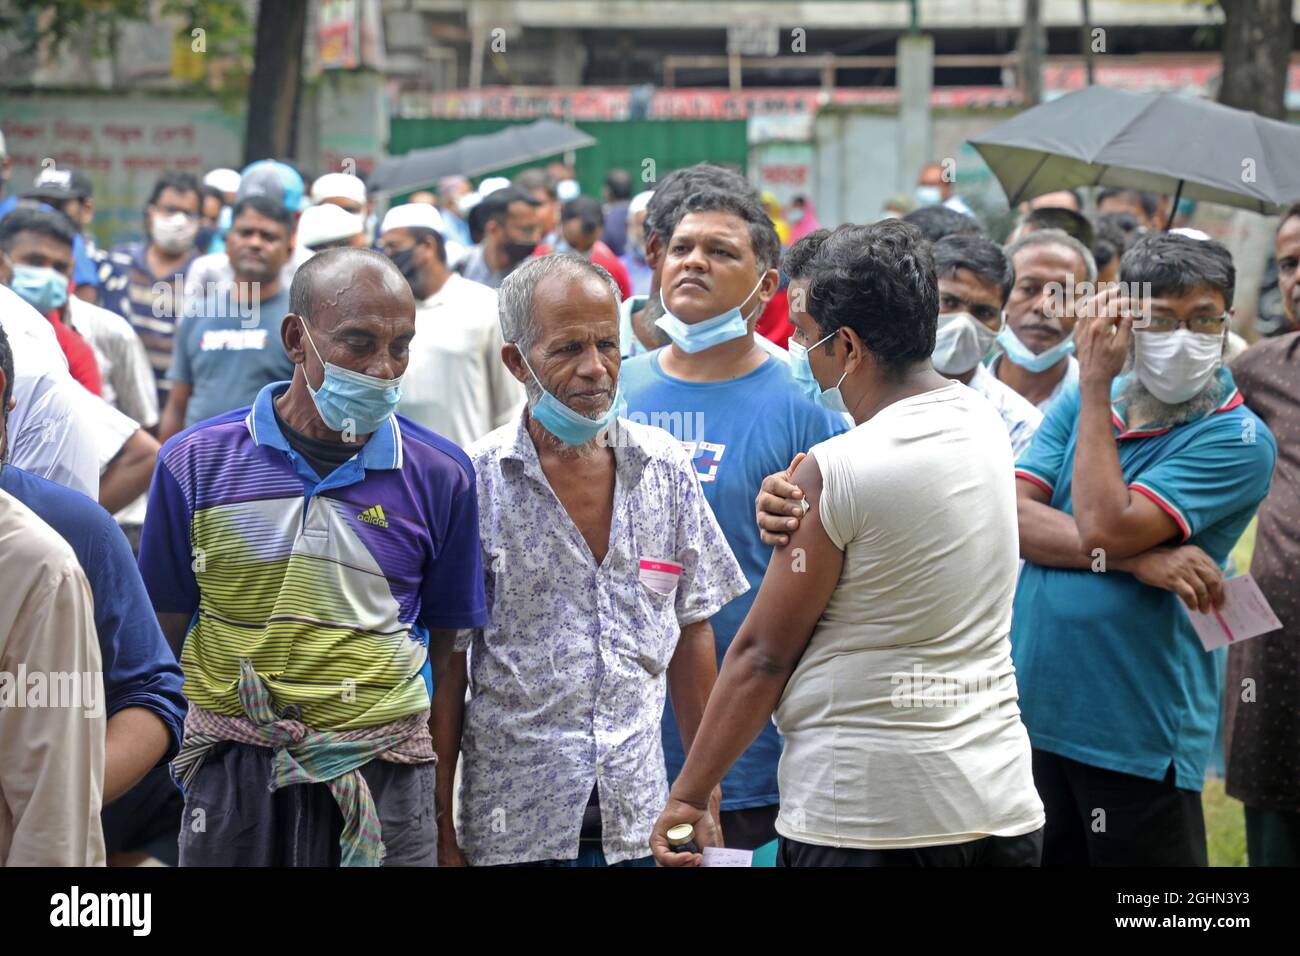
(1154, 141)
(476, 155)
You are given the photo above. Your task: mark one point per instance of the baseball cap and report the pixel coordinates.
(327, 223)
(276, 181)
(59, 185)
(338, 186)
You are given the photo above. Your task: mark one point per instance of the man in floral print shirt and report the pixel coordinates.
(603, 565)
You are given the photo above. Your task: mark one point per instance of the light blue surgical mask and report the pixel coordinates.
(351, 401)
(830, 399)
(1019, 353)
(570, 427)
(731, 324)
(45, 289)
(928, 195)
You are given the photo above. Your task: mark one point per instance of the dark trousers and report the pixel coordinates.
(750, 828)
(1098, 817)
(989, 851)
(1272, 837)
(232, 818)
(146, 818)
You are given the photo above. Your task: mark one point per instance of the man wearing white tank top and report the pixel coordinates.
(879, 637)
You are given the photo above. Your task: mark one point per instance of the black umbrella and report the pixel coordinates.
(1160, 142)
(476, 155)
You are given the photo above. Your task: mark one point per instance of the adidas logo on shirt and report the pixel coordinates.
(374, 515)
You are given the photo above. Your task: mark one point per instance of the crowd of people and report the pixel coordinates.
(518, 527)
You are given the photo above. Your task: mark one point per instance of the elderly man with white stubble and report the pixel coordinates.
(603, 564)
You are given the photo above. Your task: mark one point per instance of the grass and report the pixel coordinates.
(1225, 825)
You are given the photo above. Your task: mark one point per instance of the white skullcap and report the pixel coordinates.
(1190, 233)
(492, 184)
(640, 202)
(467, 202)
(412, 215)
(567, 189)
(222, 180)
(328, 223)
(338, 186)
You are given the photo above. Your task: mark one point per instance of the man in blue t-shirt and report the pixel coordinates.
(228, 347)
(142, 681)
(735, 407)
(1131, 496)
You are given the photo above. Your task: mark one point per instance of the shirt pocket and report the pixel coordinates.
(655, 613)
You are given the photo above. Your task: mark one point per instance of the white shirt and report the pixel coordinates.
(921, 499)
(455, 382)
(1019, 415)
(52, 747)
(123, 364)
(1071, 377)
(57, 429)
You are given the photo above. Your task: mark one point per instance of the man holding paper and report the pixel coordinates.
(1137, 485)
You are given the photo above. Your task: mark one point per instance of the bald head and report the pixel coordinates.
(359, 311)
(341, 280)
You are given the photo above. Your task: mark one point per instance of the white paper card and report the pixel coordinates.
(720, 856)
(1245, 614)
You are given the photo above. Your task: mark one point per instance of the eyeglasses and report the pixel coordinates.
(1161, 324)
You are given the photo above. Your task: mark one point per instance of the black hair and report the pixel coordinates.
(747, 207)
(587, 210)
(181, 182)
(1109, 242)
(531, 180)
(45, 222)
(265, 206)
(978, 255)
(664, 210)
(1125, 222)
(210, 192)
(797, 259)
(6, 366)
(879, 281)
(1176, 264)
(496, 205)
(1150, 201)
(1067, 220)
(1291, 212)
(935, 222)
(619, 184)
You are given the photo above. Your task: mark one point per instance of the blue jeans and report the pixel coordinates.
(589, 854)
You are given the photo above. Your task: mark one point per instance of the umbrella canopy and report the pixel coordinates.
(1160, 142)
(475, 155)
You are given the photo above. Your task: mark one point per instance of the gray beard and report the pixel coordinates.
(1143, 408)
(588, 449)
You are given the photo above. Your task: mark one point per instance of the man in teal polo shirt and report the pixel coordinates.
(1131, 496)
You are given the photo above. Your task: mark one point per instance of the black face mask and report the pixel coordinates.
(517, 252)
(405, 262)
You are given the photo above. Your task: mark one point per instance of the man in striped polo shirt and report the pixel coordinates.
(315, 553)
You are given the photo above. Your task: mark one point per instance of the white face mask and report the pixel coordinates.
(1175, 366)
(173, 232)
(962, 340)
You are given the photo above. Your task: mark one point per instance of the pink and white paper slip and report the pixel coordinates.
(1245, 614)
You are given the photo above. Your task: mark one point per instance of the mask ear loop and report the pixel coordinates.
(312, 343)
